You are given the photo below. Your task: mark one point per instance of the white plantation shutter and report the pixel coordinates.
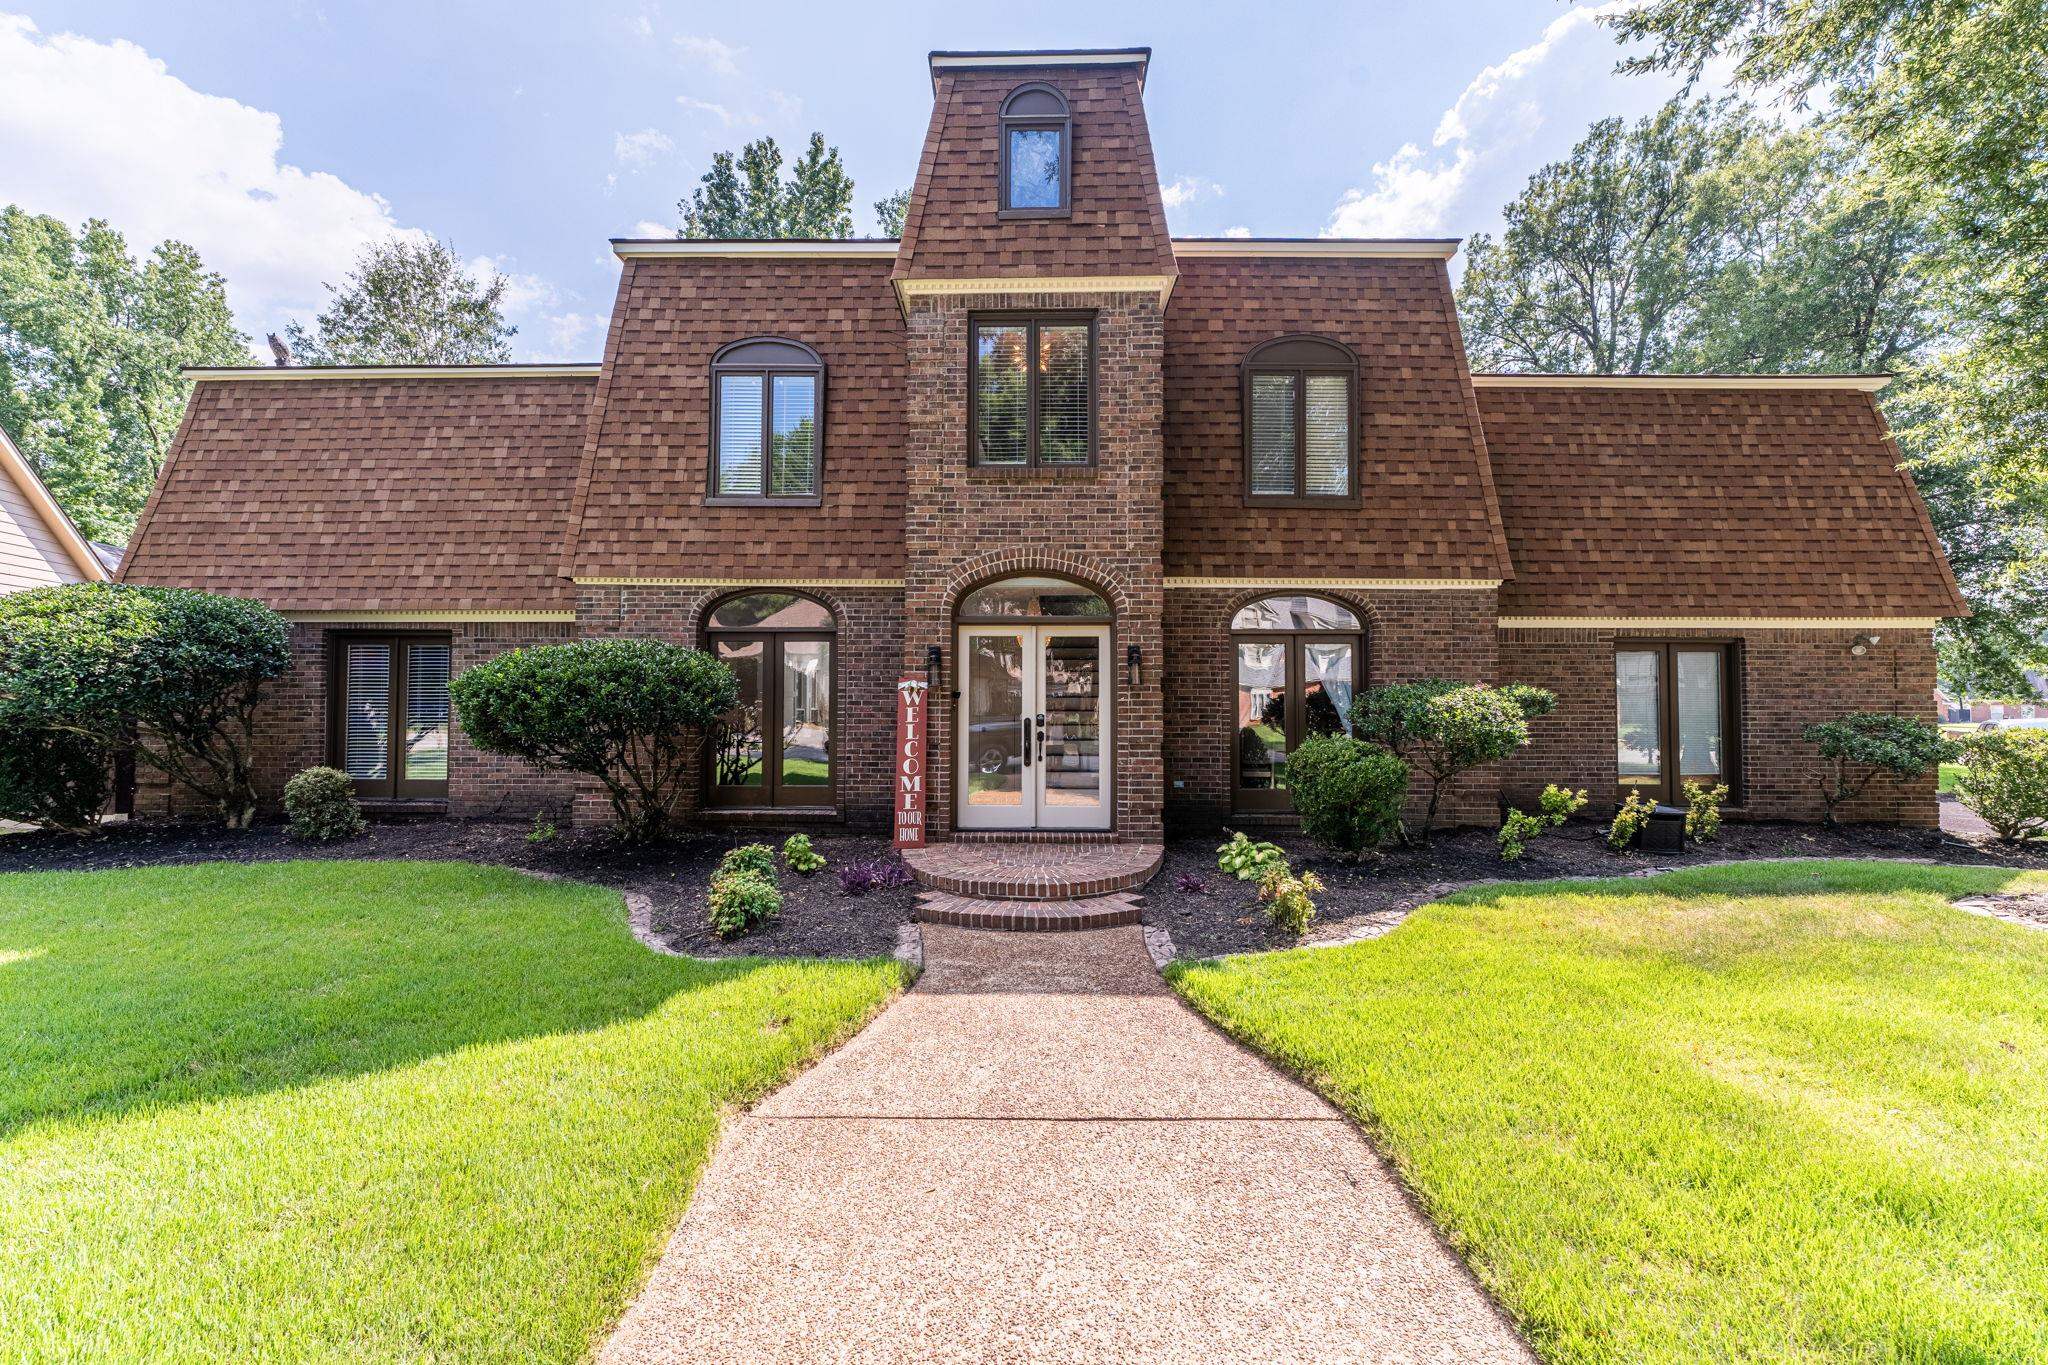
(1002, 394)
(1272, 443)
(1329, 436)
(740, 455)
(426, 712)
(1063, 394)
(366, 726)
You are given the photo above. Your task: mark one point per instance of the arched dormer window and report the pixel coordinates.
(1300, 409)
(767, 422)
(1035, 178)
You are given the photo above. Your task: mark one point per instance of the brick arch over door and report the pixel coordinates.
(995, 564)
(700, 610)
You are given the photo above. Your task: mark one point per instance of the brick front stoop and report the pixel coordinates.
(1032, 886)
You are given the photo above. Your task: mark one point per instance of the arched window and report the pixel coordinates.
(1035, 176)
(774, 748)
(1034, 598)
(767, 422)
(1299, 659)
(1300, 402)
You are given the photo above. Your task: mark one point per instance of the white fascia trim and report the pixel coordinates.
(202, 373)
(1140, 57)
(875, 249)
(14, 464)
(1321, 248)
(1161, 285)
(1868, 383)
(429, 615)
(1719, 622)
(1282, 584)
(888, 583)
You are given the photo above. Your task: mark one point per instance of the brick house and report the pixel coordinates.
(1150, 510)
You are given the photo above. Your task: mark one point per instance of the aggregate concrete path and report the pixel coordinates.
(1040, 1154)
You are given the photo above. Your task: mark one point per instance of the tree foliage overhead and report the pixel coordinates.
(747, 196)
(91, 342)
(891, 211)
(408, 301)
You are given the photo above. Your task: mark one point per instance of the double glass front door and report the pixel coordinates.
(1033, 748)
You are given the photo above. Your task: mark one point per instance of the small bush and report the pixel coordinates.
(1866, 745)
(873, 874)
(1444, 730)
(2006, 781)
(1555, 806)
(1629, 821)
(1248, 861)
(320, 806)
(1347, 792)
(543, 831)
(52, 778)
(1289, 900)
(758, 859)
(1188, 884)
(801, 857)
(1703, 811)
(741, 902)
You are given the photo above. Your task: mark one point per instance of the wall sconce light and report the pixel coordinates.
(1862, 645)
(1131, 664)
(933, 662)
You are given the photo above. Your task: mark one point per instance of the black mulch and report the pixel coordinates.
(817, 921)
(1224, 916)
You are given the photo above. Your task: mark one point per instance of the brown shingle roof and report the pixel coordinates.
(371, 494)
(1118, 224)
(1689, 501)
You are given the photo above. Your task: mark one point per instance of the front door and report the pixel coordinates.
(1034, 727)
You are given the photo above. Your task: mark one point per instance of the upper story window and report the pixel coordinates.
(1031, 390)
(767, 421)
(1035, 177)
(1300, 397)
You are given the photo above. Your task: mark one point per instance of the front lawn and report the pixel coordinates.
(369, 1110)
(1776, 1111)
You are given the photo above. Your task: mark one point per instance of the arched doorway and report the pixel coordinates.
(1298, 663)
(775, 747)
(1034, 720)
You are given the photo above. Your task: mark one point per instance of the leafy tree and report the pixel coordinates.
(1866, 745)
(91, 342)
(408, 301)
(748, 197)
(891, 211)
(1444, 730)
(622, 711)
(176, 673)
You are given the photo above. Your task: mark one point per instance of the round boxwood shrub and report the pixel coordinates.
(1347, 793)
(176, 674)
(320, 804)
(625, 712)
(2006, 781)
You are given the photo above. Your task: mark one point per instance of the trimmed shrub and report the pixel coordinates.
(52, 778)
(627, 712)
(1555, 806)
(320, 804)
(747, 860)
(1703, 811)
(1248, 861)
(1289, 900)
(1866, 745)
(1444, 730)
(174, 674)
(2006, 781)
(740, 903)
(1348, 793)
(801, 857)
(1630, 821)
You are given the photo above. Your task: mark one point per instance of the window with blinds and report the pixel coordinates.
(1299, 397)
(1032, 391)
(390, 714)
(767, 431)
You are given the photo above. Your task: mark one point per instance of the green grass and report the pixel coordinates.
(1783, 1111)
(1951, 773)
(375, 1111)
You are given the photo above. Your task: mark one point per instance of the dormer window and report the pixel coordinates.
(767, 426)
(1300, 395)
(1034, 178)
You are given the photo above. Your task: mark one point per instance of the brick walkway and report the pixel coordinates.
(1040, 1154)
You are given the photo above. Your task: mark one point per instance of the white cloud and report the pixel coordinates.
(1525, 110)
(1189, 189)
(641, 149)
(720, 57)
(717, 111)
(1237, 232)
(647, 227)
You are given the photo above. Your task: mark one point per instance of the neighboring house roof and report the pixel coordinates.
(440, 488)
(1690, 496)
(109, 556)
(39, 546)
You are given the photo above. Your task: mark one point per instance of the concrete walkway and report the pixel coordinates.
(1040, 1154)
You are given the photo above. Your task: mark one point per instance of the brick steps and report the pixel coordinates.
(1089, 912)
(1034, 872)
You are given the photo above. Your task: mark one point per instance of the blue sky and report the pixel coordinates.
(279, 137)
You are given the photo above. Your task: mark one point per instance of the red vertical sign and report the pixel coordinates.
(910, 766)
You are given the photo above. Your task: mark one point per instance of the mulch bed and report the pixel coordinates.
(1370, 897)
(817, 921)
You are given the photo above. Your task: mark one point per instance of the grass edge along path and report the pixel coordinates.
(1784, 1110)
(312, 1110)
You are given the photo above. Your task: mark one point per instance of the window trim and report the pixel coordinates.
(1301, 354)
(765, 797)
(397, 787)
(1063, 122)
(1669, 778)
(1032, 320)
(1271, 800)
(767, 357)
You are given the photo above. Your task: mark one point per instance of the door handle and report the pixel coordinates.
(1027, 741)
(1041, 737)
